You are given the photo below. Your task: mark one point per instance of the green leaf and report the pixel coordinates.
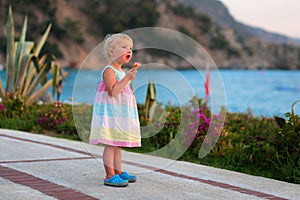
(54, 77)
(25, 60)
(10, 52)
(40, 77)
(2, 92)
(25, 63)
(29, 77)
(19, 52)
(39, 93)
(43, 40)
(293, 105)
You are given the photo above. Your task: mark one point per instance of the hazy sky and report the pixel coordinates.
(280, 16)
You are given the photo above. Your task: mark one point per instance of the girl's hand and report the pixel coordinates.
(131, 74)
(136, 65)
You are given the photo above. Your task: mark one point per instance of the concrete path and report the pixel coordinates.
(39, 167)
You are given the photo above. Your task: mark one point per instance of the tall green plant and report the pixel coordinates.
(150, 99)
(27, 72)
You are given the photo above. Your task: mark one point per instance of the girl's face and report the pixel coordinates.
(122, 52)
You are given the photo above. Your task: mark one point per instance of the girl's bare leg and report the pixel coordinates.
(118, 160)
(108, 160)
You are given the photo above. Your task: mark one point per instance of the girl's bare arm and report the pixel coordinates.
(114, 87)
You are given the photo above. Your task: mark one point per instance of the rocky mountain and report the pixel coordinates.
(272, 37)
(276, 50)
(221, 16)
(78, 26)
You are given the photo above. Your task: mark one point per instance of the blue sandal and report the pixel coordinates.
(116, 181)
(128, 177)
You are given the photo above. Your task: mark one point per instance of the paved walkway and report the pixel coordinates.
(39, 167)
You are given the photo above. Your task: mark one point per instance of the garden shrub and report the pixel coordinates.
(287, 144)
(56, 117)
(14, 114)
(166, 133)
(13, 105)
(18, 123)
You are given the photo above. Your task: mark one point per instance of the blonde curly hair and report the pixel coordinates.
(111, 40)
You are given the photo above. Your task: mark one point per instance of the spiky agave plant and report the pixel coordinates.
(27, 72)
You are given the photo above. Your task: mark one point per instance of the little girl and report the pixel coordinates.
(115, 121)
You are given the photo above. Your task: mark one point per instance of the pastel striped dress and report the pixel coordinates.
(115, 120)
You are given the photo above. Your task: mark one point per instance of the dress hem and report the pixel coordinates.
(115, 143)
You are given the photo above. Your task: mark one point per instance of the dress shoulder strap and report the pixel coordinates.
(119, 74)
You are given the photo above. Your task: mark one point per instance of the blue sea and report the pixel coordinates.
(265, 92)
